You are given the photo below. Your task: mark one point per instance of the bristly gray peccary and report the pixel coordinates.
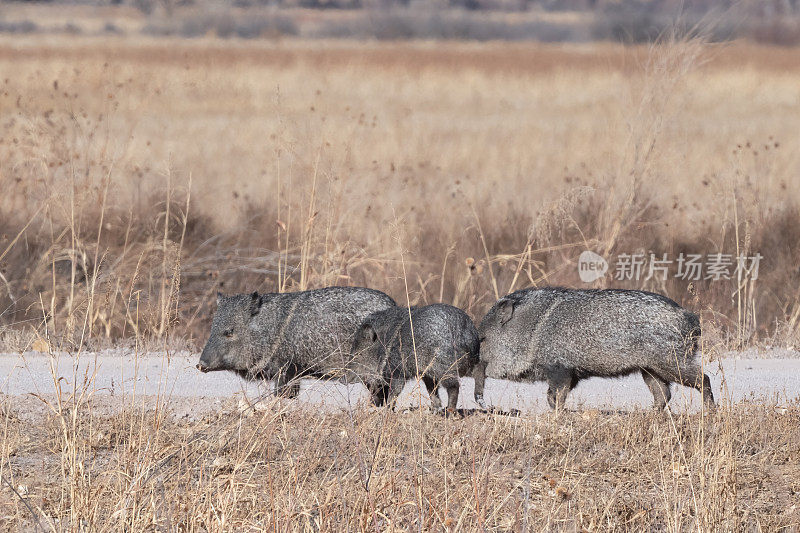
(284, 336)
(565, 335)
(436, 342)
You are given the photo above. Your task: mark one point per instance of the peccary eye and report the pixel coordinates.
(228, 332)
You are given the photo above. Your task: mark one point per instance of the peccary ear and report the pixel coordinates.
(505, 310)
(220, 297)
(367, 333)
(255, 303)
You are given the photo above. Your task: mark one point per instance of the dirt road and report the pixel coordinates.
(121, 379)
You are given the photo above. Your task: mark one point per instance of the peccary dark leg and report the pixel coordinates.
(292, 389)
(287, 384)
(479, 374)
(451, 385)
(395, 388)
(698, 380)
(433, 392)
(560, 381)
(659, 388)
(708, 395)
(379, 393)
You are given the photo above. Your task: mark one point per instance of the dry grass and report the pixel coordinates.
(286, 468)
(141, 176)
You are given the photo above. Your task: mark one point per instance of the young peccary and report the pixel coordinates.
(437, 342)
(563, 336)
(284, 336)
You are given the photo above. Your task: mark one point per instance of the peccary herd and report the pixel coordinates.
(557, 335)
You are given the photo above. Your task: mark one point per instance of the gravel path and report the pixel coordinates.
(120, 379)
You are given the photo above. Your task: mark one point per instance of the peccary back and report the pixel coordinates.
(565, 335)
(437, 342)
(283, 336)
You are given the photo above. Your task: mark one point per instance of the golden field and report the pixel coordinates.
(284, 468)
(140, 176)
(293, 164)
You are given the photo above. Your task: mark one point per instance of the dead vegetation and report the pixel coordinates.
(290, 468)
(141, 177)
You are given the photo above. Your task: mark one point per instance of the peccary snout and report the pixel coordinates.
(210, 360)
(205, 364)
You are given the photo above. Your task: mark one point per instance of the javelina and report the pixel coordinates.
(284, 336)
(563, 336)
(437, 342)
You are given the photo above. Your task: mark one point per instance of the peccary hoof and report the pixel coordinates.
(481, 402)
(450, 413)
(502, 412)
